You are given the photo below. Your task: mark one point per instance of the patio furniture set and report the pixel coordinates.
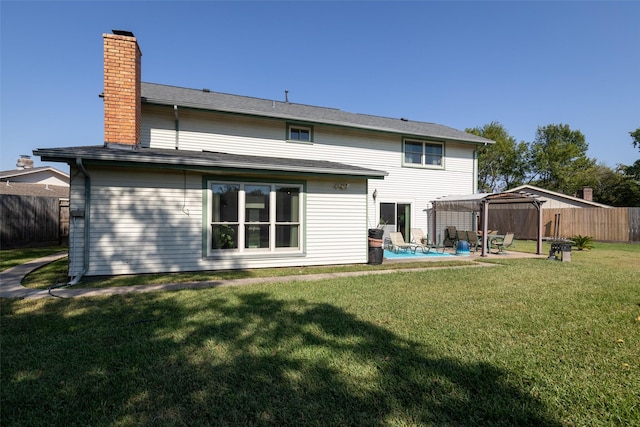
(461, 241)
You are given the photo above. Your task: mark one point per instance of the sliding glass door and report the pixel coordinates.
(397, 217)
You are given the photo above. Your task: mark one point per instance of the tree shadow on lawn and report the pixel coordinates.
(245, 359)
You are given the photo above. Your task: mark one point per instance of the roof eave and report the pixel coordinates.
(201, 164)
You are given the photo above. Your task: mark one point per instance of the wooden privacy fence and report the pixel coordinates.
(603, 224)
(31, 221)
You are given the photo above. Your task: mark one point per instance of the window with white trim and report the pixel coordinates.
(254, 217)
(299, 133)
(423, 153)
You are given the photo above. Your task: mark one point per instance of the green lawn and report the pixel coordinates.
(12, 257)
(529, 342)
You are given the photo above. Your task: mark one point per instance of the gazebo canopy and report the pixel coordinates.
(480, 203)
(473, 202)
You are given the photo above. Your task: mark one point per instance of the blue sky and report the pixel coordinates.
(461, 64)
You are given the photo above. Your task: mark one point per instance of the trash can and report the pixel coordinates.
(375, 246)
(462, 248)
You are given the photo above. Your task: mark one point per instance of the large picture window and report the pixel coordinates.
(423, 153)
(253, 217)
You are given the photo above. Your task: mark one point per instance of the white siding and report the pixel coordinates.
(151, 221)
(76, 225)
(336, 223)
(375, 150)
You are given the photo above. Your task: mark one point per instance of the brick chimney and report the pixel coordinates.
(586, 193)
(122, 90)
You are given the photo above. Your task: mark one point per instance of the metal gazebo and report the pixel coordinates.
(480, 203)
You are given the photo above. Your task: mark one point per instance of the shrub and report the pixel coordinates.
(582, 242)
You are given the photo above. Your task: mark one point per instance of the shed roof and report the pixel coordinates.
(216, 101)
(543, 192)
(205, 160)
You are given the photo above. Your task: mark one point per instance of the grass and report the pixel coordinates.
(57, 272)
(12, 257)
(531, 342)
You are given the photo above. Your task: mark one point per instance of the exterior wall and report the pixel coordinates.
(76, 224)
(376, 150)
(557, 200)
(145, 221)
(556, 203)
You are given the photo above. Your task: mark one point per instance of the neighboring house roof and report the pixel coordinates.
(38, 190)
(215, 101)
(205, 160)
(552, 195)
(26, 175)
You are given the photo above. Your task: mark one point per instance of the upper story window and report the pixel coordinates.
(299, 133)
(423, 153)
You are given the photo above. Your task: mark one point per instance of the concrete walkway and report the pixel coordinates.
(11, 279)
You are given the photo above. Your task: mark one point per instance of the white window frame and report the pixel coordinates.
(423, 155)
(309, 130)
(242, 220)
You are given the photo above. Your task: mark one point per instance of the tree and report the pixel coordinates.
(616, 187)
(502, 165)
(559, 161)
(635, 136)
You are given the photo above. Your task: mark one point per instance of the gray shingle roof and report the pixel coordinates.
(206, 160)
(29, 189)
(215, 101)
(28, 171)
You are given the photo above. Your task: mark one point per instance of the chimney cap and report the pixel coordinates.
(122, 33)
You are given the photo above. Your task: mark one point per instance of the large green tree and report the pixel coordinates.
(634, 170)
(635, 136)
(502, 165)
(615, 187)
(559, 159)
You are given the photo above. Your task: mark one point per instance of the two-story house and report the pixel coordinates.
(193, 179)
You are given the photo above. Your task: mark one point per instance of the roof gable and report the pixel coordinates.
(4, 175)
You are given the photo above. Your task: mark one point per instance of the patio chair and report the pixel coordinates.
(450, 236)
(473, 240)
(419, 238)
(398, 243)
(438, 245)
(502, 244)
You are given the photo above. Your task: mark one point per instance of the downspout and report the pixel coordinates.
(475, 171)
(177, 127)
(475, 215)
(87, 221)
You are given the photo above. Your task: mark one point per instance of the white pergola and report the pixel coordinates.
(480, 203)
